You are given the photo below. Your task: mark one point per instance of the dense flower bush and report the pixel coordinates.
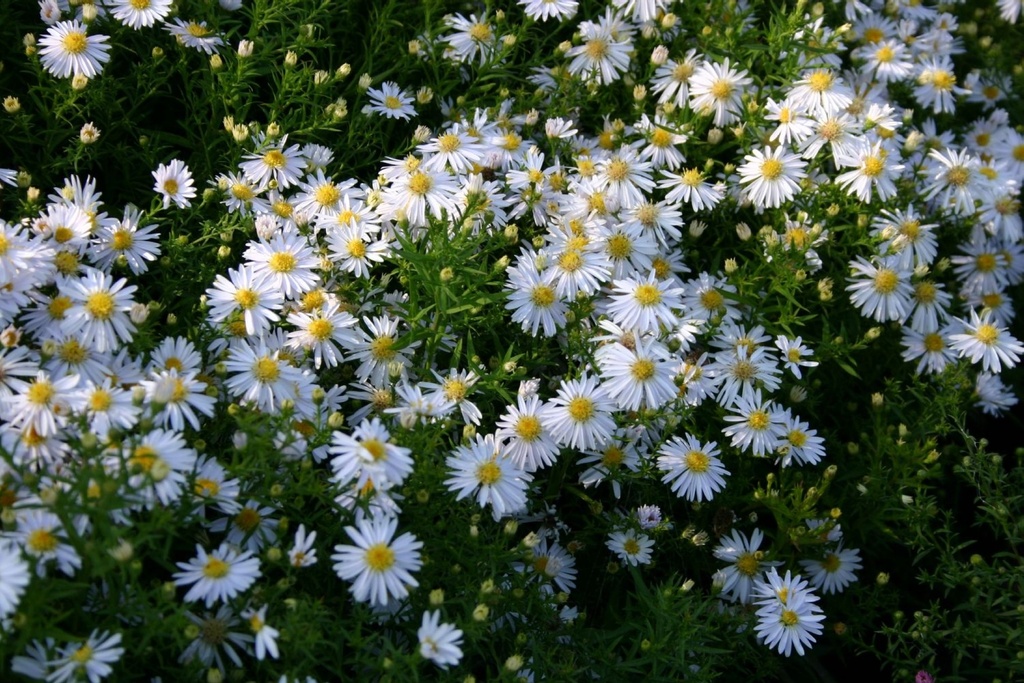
(537, 340)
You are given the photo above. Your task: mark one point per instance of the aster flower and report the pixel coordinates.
(137, 14)
(439, 642)
(882, 291)
(368, 456)
(481, 468)
(671, 80)
(833, 572)
(379, 565)
(549, 9)
(287, 261)
(632, 548)
(986, 342)
(220, 575)
(303, 554)
(274, 164)
(788, 617)
(174, 182)
(265, 635)
(603, 56)
(582, 414)
(471, 38)
(243, 292)
(194, 34)
(216, 635)
(91, 659)
(821, 91)
(525, 438)
(637, 377)
(391, 101)
(67, 50)
(99, 310)
(771, 177)
(14, 578)
(756, 424)
(746, 562)
(693, 470)
(644, 304)
(718, 88)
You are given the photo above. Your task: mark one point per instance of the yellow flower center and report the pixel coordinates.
(528, 428)
(41, 541)
(542, 296)
(40, 393)
(933, 342)
(820, 81)
(617, 170)
(216, 568)
(619, 246)
(711, 300)
(647, 295)
(830, 563)
(873, 34)
(82, 655)
(321, 329)
(275, 159)
(206, 488)
(697, 461)
(247, 298)
(454, 389)
(925, 292)
(789, 617)
(379, 557)
(449, 142)
(797, 438)
(171, 186)
(885, 54)
(62, 234)
(661, 138)
(488, 473)
(242, 191)
(721, 90)
(642, 370)
(100, 401)
(197, 30)
(75, 42)
(248, 519)
(581, 409)
(958, 176)
(747, 564)
(986, 263)
(987, 334)
(266, 370)
(682, 72)
(282, 262)
(758, 420)
(886, 281)
(943, 80)
(71, 351)
(282, 208)
(326, 195)
(597, 48)
(376, 448)
(100, 305)
(873, 166)
(382, 348)
(613, 457)
(420, 183)
(771, 169)
(480, 32)
(570, 261)
(631, 546)
(122, 240)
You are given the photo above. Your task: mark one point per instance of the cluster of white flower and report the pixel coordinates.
(611, 215)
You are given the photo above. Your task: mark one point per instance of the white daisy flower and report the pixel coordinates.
(91, 659)
(137, 14)
(874, 170)
(216, 634)
(641, 376)
(220, 575)
(693, 470)
(484, 469)
(533, 299)
(788, 617)
(379, 565)
(645, 305)
(368, 457)
(821, 91)
(125, 241)
(771, 177)
(439, 642)
(265, 635)
(14, 578)
(67, 50)
(834, 572)
(391, 101)
(325, 332)
(262, 377)
(671, 80)
(582, 414)
(882, 289)
(194, 34)
(526, 440)
(543, 10)
(244, 292)
(631, 547)
(718, 88)
(274, 164)
(757, 424)
(174, 182)
(99, 310)
(303, 554)
(287, 261)
(603, 57)
(986, 342)
(746, 562)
